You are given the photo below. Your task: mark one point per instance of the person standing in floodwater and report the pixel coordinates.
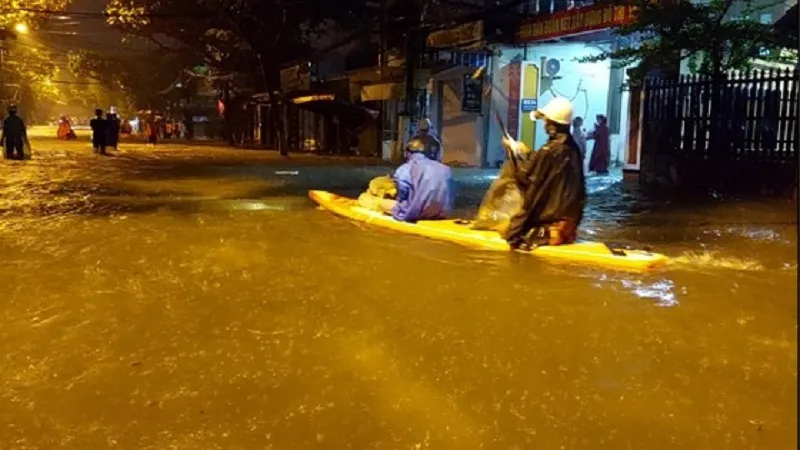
(99, 128)
(112, 131)
(14, 136)
(152, 131)
(601, 151)
(579, 134)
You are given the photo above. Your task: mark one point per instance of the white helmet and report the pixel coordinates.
(559, 110)
(424, 125)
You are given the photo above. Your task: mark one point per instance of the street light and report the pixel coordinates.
(21, 28)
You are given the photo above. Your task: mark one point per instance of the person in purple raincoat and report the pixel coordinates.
(424, 189)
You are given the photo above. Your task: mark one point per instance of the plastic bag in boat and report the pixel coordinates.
(382, 187)
(501, 202)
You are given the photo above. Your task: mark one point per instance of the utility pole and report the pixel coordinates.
(416, 35)
(382, 38)
(412, 64)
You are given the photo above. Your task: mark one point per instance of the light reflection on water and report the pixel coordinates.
(662, 291)
(713, 259)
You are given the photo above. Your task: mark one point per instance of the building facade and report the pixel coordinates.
(545, 61)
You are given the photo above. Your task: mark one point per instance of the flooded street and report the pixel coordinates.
(194, 298)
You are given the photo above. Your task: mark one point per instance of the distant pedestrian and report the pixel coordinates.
(188, 128)
(14, 136)
(112, 131)
(125, 129)
(601, 151)
(433, 147)
(99, 128)
(579, 134)
(65, 129)
(152, 132)
(169, 129)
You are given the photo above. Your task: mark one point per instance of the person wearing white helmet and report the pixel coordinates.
(551, 182)
(433, 147)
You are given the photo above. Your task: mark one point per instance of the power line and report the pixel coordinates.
(108, 14)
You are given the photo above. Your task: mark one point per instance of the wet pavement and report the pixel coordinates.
(192, 297)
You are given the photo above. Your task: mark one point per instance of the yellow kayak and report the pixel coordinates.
(458, 231)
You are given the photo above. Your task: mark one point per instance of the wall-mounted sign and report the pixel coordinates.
(528, 104)
(296, 78)
(459, 58)
(472, 94)
(470, 33)
(574, 21)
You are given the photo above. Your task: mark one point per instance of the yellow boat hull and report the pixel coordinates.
(590, 253)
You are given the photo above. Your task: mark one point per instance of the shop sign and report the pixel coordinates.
(468, 33)
(296, 78)
(472, 98)
(464, 59)
(529, 104)
(574, 21)
(313, 98)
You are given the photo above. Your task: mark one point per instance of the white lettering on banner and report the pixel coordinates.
(574, 21)
(471, 32)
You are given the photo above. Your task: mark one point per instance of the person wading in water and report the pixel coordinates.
(601, 151)
(551, 183)
(99, 127)
(15, 135)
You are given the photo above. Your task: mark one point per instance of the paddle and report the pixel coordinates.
(509, 152)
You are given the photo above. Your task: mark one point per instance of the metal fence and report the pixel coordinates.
(738, 132)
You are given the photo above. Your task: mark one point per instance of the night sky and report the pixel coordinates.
(92, 31)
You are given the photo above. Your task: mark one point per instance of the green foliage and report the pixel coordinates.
(10, 14)
(127, 79)
(27, 69)
(712, 37)
(245, 36)
(27, 73)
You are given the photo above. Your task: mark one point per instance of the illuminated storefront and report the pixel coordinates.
(544, 63)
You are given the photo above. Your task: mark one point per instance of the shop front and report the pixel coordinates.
(324, 120)
(546, 62)
(314, 117)
(457, 108)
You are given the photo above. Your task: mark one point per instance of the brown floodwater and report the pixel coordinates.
(194, 298)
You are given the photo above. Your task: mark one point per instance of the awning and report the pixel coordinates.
(383, 91)
(261, 97)
(148, 112)
(350, 115)
(313, 98)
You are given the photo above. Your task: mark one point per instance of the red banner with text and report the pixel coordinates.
(574, 21)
